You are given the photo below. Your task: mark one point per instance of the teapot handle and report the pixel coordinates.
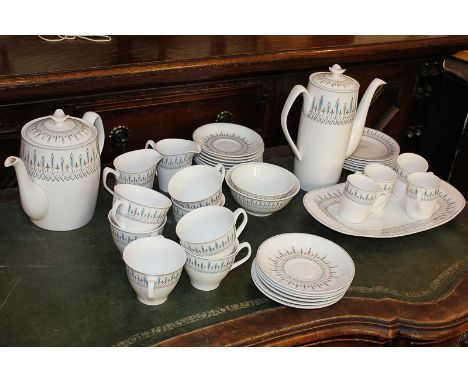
(295, 92)
(94, 119)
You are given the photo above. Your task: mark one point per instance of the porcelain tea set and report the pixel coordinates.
(59, 168)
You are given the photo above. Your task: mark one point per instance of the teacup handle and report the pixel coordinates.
(418, 199)
(114, 210)
(237, 213)
(245, 258)
(105, 172)
(379, 200)
(151, 281)
(150, 143)
(221, 168)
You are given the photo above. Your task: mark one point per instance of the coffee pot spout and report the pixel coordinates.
(33, 197)
(361, 115)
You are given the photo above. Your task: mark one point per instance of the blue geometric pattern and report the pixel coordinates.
(332, 113)
(174, 162)
(212, 247)
(209, 266)
(60, 165)
(163, 281)
(358, 196)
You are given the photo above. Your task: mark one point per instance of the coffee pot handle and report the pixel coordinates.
(296, 91)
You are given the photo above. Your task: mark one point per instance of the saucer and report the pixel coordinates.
(228, 140)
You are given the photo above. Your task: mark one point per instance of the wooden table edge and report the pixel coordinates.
(351, 321)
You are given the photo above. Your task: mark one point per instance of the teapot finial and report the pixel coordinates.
(59, 116)
(336, 71)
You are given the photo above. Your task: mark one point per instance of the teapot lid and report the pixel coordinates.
(58, 131)
(334, 80)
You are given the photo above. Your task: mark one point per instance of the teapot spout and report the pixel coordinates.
(33, 197)
(361, 115)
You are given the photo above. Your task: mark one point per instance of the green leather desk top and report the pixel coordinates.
(71, 289)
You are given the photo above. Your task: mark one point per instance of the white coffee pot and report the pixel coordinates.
(59, 168)
(330, 127)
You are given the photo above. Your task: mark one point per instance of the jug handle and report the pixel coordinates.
(294, 93)
(94, 119)
(151, 144)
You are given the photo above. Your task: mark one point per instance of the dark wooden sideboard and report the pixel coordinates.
(153, 87)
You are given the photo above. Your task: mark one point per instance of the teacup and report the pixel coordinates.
(210, 231)
(384, 176)
(407, 163)
(422, 193)
(177, 154)
(134, 167)
(123, 237)
(154, 266)
(138, 208)
(207, 273)
(197, 186)
(361, 196)
(179, 212)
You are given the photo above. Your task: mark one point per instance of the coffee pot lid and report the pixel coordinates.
(334, 80)
(58, 131)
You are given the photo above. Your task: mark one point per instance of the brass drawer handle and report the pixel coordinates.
(120, 135)
(225, 116)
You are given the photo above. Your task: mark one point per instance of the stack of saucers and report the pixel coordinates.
(302, 271)
(227, 143)
(374, 147)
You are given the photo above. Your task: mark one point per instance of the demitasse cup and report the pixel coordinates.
(179, 212)
(177, 154)
(385, 177)
(210, 231)
(361, 196)
(123, 237)
(207, 273)
(422, 193)
(197, 186)
(407, 163)
(134, 167)
(154, 266)
(138, 208)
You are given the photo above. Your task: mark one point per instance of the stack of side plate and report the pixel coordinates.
(302, 270)
(229, 144)
(374, 147)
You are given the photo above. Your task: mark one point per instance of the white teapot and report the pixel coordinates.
(330, 127)
(59, 168)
